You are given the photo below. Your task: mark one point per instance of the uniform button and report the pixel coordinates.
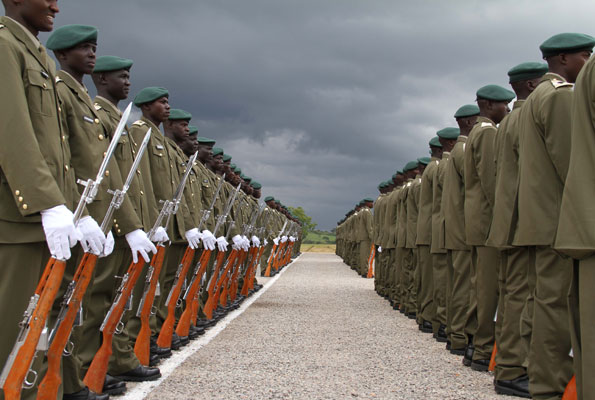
(133, 152)
(25, 206)
(106, 173)
(116, 225)
(17, 192)
(63, 138)
(119, 231)
(104, 154)
(45, 86)
(160, 154)
(100, 136)
(138, 171)
(66, 167)
(59, 109)
(20, 199)
(141, 193)
(96, 120)
(115, 220)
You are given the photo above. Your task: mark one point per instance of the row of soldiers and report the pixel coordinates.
(183, 196)
(489, 243)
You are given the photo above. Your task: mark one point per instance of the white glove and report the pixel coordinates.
(265, 242)
(109, 245)
(193, 237)
(160, 235)
(255, 241)
(222, 243)
(276, 241)
(245, 243)
(208, 240)
(291, 239)
(283, 239)
(93, 238)
(60, 232)
(237, 241)
(139, 243)
(380, 249)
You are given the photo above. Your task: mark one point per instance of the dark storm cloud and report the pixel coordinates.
(321, 100)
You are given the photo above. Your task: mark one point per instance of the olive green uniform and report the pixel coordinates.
(364, 233)
(576, 230)
(514, 288)
(414, 272)
(33, 174)
(380, 273)
(544, 152)
(437, 249)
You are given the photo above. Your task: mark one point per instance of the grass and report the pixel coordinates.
(318, 248)
(320, 237)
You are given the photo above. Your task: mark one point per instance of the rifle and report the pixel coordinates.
(71, 304)
(209, 306)
(33, 325)
(274, 253)
(142, 345)
(183, 327)
(112, 323)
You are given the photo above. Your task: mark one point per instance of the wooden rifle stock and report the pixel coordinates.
(235, 278)
(217, 281)
(183, 328)
(371, 262)
(570, 391)
(46, 290)
(48, 389)
(95, 376)
(249, 282)
(271, 260)
(228, 281)
(167, 329)
(142, 346)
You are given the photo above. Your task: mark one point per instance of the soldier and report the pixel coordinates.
(544, 151)
(377, 222)
(480, 176)
(575, 235)
(389, 239)
(447, 138)
(511, 374)
(364, 232)
(426, 306)
(461, 309)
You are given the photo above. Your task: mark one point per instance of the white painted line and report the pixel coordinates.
(167, 366)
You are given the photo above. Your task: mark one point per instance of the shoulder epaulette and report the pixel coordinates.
(139, 123)
(58, 79)
(485, 124)
(557, 83)
(1, 26)
(97, 106)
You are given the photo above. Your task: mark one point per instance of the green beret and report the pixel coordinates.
(150, 94)
(399, 172)
(424, 160)
(193, 130)
(410, 166)
(278, 202)
(256, 185)
(111, 63)
(68, 36)
(226, 157)
(526, 71)
(368, 200)
(468, 110)
(205, 140)
(175, 114)
(237, 170)
(243, 176)
(449, 133)
(495, 93)
(435, 142)
(247, 178)
(566, 43)
(232, 166)
(269, 198)
(381, 186)
(217, 151)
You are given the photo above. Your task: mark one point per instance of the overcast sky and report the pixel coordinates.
(321, 100)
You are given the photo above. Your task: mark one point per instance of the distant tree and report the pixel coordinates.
(307, 224)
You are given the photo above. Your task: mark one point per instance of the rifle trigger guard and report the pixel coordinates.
(153, 310)
(68, 349)
(179, 303)
(119, 328)
(29, 384)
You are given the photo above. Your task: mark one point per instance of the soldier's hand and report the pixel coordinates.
(208, 239)
(140, 244)
(222, 243)
(193, 237)
(60, 232)
(255, 241)
(160, 235)
(93, 238)
(276, 241)
(380, 249)
(283, 239)
(109, 245)
(237, 242)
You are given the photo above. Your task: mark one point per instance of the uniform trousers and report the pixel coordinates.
(425, 295)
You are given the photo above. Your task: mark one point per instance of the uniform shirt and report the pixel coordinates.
(390, 220)
(88, 143)
(506, 159)
(424, 218)
(34, 150)
(402, 214)
(544, 152)
(437, 246)
(480, 181)
(453, 198)
(412, 212)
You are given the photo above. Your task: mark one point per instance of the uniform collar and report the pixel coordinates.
(108, 105)
(26, 31)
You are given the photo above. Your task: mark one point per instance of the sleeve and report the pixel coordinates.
(557, 114)
(483, 150)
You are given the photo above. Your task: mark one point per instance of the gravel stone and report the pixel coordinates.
(321, 332)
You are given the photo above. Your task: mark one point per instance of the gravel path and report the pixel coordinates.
(321, 332)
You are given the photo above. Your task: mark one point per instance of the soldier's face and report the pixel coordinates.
(205, 153)
(38, 15)
(498, 110)
(80, 58)
(256, 193)
(117, 83)
(179, 129)
(159, 109)
(574, 64)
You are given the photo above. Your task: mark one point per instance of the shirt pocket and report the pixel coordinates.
(40, 93)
